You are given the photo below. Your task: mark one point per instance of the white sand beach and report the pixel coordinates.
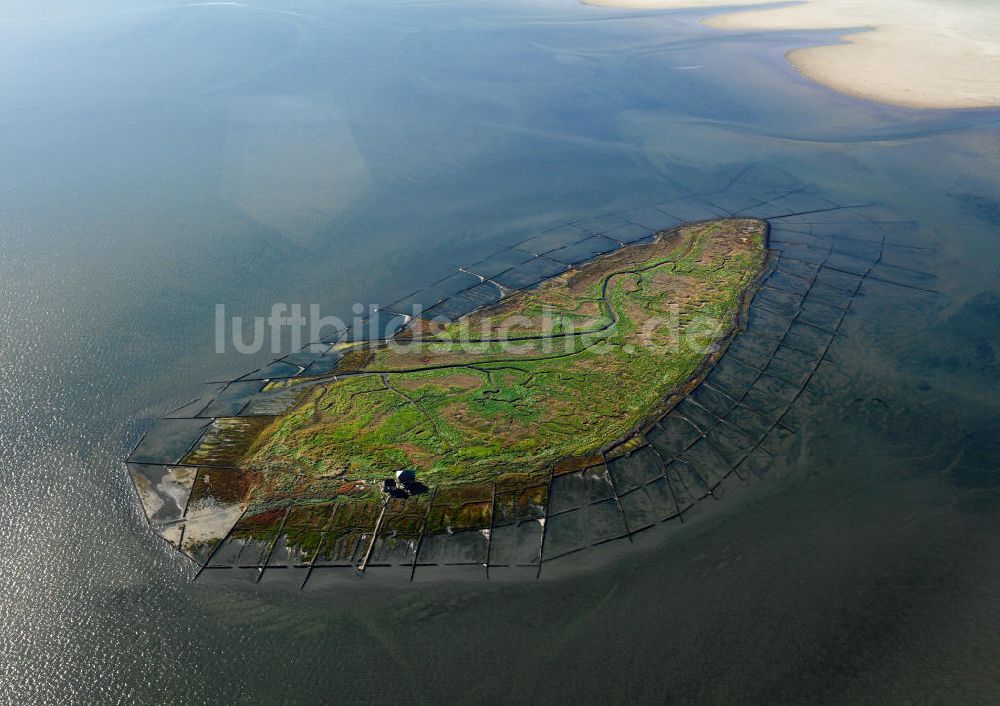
(914, 53)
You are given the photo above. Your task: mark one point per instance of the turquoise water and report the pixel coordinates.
(159, 160)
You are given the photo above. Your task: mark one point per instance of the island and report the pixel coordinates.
(458, 425)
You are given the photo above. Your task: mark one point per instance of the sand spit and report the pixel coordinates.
(913, 53)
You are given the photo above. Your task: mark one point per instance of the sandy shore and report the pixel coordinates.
(914, 53)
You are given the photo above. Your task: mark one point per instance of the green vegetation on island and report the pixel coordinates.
(491, 405)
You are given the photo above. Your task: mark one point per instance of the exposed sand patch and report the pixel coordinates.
(669, 4)
(919, 53)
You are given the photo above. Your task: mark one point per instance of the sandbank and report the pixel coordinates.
(912, 53)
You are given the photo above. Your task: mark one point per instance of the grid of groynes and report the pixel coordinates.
(722, 434)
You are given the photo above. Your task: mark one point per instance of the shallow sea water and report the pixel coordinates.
(158, 160)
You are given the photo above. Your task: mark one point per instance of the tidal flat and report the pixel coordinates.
(148, 153)
(913, 53)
